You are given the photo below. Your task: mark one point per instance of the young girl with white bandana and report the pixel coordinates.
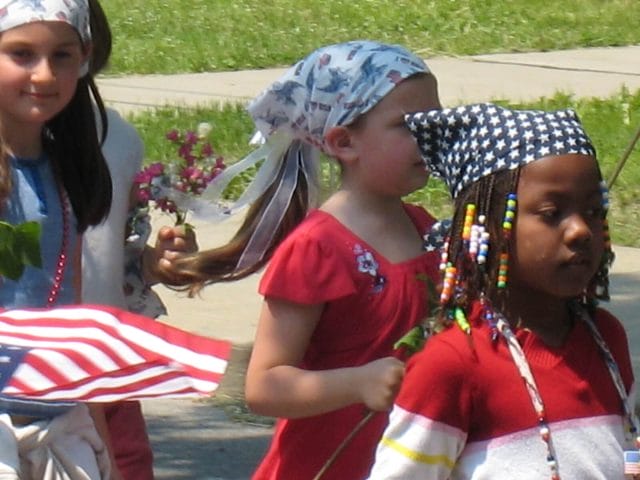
(52, 172)
(528, 379)
(349, 280)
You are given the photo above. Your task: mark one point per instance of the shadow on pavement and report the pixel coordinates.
(624, 304)
(195, 440)
(215, 439)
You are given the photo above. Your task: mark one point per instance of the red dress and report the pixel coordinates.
(370, 304)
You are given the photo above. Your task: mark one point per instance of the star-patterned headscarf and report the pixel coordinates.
(14, 13)
(463, 144)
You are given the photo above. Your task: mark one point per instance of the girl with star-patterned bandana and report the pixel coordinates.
(348, 281)
(528, 378)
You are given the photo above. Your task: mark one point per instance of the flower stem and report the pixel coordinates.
(370, 414)
(181, 218)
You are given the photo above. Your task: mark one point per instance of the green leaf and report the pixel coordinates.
(28, 239)
(412, 341)
(10, 265)
(19, 246)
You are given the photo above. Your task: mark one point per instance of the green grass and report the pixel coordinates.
(162, 36)
(611, 123)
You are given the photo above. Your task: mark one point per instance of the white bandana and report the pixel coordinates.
(332, 86)
(14, 13)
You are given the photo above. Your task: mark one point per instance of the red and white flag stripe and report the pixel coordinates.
(97, 353)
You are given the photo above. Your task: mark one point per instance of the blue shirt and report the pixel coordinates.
(35, 196)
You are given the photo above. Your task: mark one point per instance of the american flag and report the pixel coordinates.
(631, 462)
(103, 354)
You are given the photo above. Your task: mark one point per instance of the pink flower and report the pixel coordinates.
(173, 135)
(190, 138)
(207, 150)
(142, 177)
(190, 174)
(143, 195)
(155, 169)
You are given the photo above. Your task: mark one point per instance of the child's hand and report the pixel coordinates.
(379, 382)
(172, 244)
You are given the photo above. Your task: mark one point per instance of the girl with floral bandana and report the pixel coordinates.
(51, 172)
(349, 278)
(528, 379)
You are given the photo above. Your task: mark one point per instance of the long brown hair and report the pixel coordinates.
(71, 138)
(219, 264)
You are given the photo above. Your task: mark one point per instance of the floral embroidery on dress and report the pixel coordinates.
(368, 264)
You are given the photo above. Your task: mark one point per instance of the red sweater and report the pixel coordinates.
(465, 413)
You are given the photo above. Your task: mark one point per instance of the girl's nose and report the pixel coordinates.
(42, 71)
(578, 230)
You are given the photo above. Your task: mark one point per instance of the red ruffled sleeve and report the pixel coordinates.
(308, 268)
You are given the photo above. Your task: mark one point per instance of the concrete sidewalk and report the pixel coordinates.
(595, 72)
(199, 442)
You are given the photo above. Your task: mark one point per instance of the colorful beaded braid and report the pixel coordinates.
(474, 236)
(469, 216)
(483, 248)
(475, 241)
(503, 268)
(444, 256)
(507, 227)
(604, 190)
(448, 283)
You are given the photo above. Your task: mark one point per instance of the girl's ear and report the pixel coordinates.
(339, 144)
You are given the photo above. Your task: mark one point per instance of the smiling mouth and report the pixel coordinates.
(40, 96)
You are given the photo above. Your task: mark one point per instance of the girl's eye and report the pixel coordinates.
(21, 55)
(63, 55)
(549, 213)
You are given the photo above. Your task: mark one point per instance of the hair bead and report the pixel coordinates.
(474, 241)
(448, 283)
(461, 320)
(502, 270)
(469, 216)
(604, 190)
(509, 214)
(483, 249)
(444, 256)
